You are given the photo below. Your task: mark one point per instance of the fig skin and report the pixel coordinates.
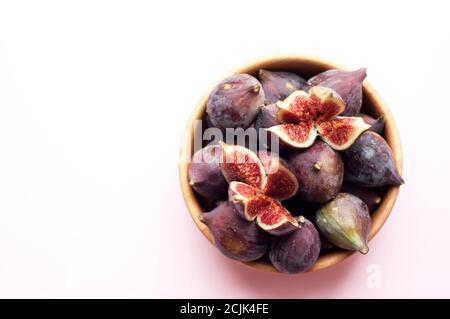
(296, 252)
(319, 171)
(279, 85)
(348, 84)
(267, 117)
(345, 222)
(368, 195)
(235, 102)
(205, 175)
(235, 237)
(376, 125)
(369, 162)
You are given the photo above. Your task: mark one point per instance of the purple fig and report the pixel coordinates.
(376, 125)
(368, 195)
(348, 84)
(267, 117)
(369, 162)
(235, 237)
(296, 252)
(235, 101)
(319, 171)
(205, 175)
(345, 222)
(279, 85)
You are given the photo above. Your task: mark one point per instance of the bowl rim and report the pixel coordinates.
(378, 217)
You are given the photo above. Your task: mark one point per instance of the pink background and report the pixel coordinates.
(94, 97)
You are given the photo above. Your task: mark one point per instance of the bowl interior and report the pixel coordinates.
(306, 67)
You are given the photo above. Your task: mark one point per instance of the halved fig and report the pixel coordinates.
(241, 164)
(281, 182)
(307, 114)
(348, 84)
(301, 135)
(252, 204)
(275, 219)
(341, 132)
(246, 199)
(296, 107)
(327, 102)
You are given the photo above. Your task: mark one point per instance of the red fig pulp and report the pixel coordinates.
(281, 182)
(252, 204)
(304, 115)
(243, 165)
(348, 84)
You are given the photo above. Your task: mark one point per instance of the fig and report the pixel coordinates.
(235, 102)
(235, 237)
(376, 125)
(252, 204)
(305, 115)
(319, 171)
(296, 252)
(281, 182)
(243, 165)
(368, 195)
(369, 162)
(345, 222)
(267, 117)
(205, 175)
(348, 84)
(279, 85)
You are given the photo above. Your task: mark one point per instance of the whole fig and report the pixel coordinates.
(296, 252)
(205, 175)
(369, 162)
(279, 85)
(235, 101)
(348, 84)
(235, 237)
(319, 171)
(345, 222)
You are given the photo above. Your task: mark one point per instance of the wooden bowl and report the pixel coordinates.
(306, 67)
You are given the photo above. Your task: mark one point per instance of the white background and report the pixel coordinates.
(94, 96)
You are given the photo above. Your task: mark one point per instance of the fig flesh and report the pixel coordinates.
(319, 171)
(265, 171)
(240, 164)
(252, 204)
(205, 175)
(348, 84)
(296, 252)
(306, 115)
(281, 182)
(369, 162)
(279, 85)
(235, 237)
(345, 222)
(235, 102)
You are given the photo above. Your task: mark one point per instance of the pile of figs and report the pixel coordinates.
(317, 191)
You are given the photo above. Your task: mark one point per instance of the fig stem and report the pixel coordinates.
(317, 166)
(256, 88)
